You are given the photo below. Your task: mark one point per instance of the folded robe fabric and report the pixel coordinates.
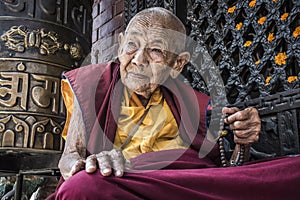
(189, 178)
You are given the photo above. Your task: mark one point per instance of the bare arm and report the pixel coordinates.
(74, 154)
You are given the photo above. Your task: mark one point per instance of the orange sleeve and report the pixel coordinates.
(68, 97)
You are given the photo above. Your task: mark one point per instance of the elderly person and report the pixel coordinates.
(127, 118)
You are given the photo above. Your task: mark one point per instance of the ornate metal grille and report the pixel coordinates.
(133, 7)
(254, 43)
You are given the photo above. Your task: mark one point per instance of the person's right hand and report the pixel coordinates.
(107, 161)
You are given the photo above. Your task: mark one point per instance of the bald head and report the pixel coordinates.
(158, 16)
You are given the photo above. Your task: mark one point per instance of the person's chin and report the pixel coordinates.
(144, 91)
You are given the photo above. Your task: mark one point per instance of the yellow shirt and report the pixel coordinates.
(158, 131)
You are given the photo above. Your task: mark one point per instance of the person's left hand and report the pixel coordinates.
(245, 124)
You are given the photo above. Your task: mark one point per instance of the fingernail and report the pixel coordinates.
(118, 173)
(106, 172)
(226, 120)
(90, 169)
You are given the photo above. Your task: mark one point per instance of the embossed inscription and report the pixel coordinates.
(47, 92)
(22, 91)
(13, 86)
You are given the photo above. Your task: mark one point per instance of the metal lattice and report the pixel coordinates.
(133, 7)
(254, 43)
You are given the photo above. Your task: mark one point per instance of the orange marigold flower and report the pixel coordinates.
(247, 43)
(257, 62)
(268, 80)
(296, 32)
(280, 58)
(252, 3)
(284, 16)
(239, 26)
(231, 9)
(274, 1)
(271, 37)
(292, 78)
(262, 20)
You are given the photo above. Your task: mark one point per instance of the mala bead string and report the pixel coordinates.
(240, 156)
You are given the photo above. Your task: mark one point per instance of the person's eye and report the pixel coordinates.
(156, 54)
(131, 46)
(156, 50)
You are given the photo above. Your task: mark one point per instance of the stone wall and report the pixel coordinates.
(108, 22)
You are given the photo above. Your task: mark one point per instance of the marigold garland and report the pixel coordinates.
(296, 32)
(257, 62)
(252, 3)
(292, 79)
(239, 26)
(271, 37)
(268, 80)
(262, 20)
(247, 43)
(284, 16)
(231, 9)
(280, 59)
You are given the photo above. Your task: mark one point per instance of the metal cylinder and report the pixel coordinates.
(39, 39)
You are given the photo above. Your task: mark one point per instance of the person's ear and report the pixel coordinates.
(120, 40)
(180, 61)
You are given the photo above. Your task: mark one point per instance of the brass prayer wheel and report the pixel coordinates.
(38, 41)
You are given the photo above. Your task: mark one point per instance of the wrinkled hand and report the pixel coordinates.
(107, 161)
(79, 165)
(245, 124)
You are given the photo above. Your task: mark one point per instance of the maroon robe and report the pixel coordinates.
(100, 85)
(181, 174)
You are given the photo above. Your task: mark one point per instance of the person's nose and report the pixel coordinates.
(140, 58)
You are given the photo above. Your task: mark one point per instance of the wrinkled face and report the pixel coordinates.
(147, 56)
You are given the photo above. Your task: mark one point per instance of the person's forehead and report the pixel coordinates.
(150, 34)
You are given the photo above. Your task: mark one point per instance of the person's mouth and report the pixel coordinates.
(137, 75)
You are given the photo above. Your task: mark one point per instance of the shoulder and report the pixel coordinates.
(85, 81)
(90, 71)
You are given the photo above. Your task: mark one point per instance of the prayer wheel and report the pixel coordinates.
(39, 39)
